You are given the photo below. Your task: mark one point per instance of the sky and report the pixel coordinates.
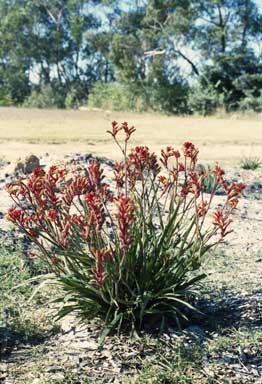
(259, 4)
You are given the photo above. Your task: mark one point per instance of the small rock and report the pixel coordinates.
(31, 162)
(19, 167)
(54, 368)
(197, 332)
(88, 344)
(28, 165)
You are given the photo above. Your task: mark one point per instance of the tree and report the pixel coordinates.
(46, 39)
(223, 25)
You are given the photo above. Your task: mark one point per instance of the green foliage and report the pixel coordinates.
(250, 103)
(153, 50)
(116, 97)
(250, 163)
(76, 94)
(140, 97)
(210, 181)
(232, 77)
(205, 99)
(173, 367)
(5, 101)
(47, 97)
(14, 85)
(17, 323)
(242, 337)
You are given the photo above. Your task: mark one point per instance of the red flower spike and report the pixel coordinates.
(120, 173)
(201, 208)
(64, 235)
(115, 129)
(177, 154)
(167, 154)
(96, 210)
(233, 203)
(218, 173)
(128, 131)
(38, 172)
(181, 167)
(234, 190)
(163, 180)
(125, 218)
(52, 215)
(102, 256)
(16, 215)
(191, 152)
(95, 175)
(195, 183)
(222, 222)
(78, 186)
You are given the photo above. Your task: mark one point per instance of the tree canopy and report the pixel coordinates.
(174, 56)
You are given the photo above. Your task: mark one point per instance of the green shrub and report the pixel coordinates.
(76, 95)
(204, 99)
(116, 97)
(46, 97)
(250, 103)
(131, 255)
(250, 163)
(139, 97)
(5, 101)
(71, 101)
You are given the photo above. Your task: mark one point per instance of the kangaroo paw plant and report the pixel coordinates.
(128, 250)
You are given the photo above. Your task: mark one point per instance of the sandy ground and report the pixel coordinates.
(24, 131)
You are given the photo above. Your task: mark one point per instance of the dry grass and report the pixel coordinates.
(27, 130)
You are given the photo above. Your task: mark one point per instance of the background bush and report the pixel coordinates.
(204, 98)
(117, 97)
(140, 97)
(46, 97)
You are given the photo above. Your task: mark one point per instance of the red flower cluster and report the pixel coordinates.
(139, 163)
(201, 208)
(140, 160)
(190, 151)
(234, 190)
(96, 210)
(123, 127)
(83, 210)
(52, 215)
(16, 215)
(222, 221)
(167, 154)
(77, 187)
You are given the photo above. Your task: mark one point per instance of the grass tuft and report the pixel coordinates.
(250, 163)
